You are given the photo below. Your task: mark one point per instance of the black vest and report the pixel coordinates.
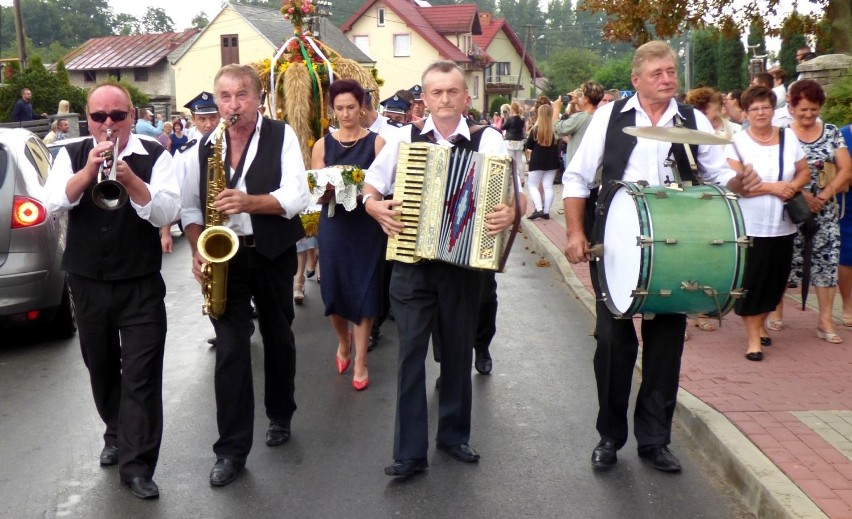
(273, 234)
(112, 245)
(618, 145)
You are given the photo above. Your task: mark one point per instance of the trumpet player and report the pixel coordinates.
(113, 259)
(258, 188)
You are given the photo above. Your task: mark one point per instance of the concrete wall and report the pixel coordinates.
(159, 82)
(195, 70)
(826, 69)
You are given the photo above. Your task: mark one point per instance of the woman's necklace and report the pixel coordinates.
(758, 139)
(357, 138)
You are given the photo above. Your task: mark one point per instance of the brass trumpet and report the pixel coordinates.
(109, 193)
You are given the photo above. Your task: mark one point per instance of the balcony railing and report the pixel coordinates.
(497, 79)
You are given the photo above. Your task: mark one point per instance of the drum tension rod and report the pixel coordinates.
(744, 241)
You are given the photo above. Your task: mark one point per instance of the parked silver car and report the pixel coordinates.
(33, 290)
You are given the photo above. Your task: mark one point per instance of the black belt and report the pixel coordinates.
(247, 241)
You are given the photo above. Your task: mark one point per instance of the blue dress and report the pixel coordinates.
(351, 243)
(177, 142)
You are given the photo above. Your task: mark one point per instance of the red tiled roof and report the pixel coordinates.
(416, 21)
(453, 19)
(142, 50)
(491, 29)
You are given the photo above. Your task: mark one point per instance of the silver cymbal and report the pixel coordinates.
(675, 134)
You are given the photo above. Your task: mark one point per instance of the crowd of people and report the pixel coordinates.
(114, 270)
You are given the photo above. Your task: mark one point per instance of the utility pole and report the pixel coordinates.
(19, 27)
(527, 37)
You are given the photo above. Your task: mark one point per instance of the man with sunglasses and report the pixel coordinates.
(113, 261)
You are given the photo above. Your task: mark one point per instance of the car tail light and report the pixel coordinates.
(27, 212)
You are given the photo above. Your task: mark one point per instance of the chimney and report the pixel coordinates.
(484, 19)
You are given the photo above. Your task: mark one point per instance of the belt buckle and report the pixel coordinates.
(248, 241)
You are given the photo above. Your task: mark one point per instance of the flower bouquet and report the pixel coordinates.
(298, 76)
(347, 182)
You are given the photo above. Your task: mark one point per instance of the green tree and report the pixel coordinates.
(730, 58)
(136, 95)
(566, 70)
(615, 73)
(792, 38)
(757, 37)
(496, 103)
(126, 24)
(200, 21)
(48, 89)
(704, 57)
(156, 20)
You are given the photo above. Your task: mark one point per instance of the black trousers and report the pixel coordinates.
(446, 298)
(387, 271)
(122, 330)
(486, 322)
(270, 281)
(615, 358)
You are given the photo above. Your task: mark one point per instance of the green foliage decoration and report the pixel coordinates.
(838, 103)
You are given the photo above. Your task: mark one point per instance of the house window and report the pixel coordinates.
(90, 76)
(502, 68)
(362, 41)
(380, 16)
(476, 87)
(140, 74)
(230, 46)
(115, 72)
(401, 45)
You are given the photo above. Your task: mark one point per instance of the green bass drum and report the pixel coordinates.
(670, 250)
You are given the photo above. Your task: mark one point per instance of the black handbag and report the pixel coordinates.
(797, 207)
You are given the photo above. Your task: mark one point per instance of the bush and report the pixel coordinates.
(838, 103)
(48, 89)
(496, 104)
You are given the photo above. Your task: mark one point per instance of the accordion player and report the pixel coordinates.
(446, 193)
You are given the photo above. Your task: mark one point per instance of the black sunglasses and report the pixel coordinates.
(116, 116)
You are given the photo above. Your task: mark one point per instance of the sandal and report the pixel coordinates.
(775, 325)
(832, 338)
(847, 321)
(298, 293)
(705, 324)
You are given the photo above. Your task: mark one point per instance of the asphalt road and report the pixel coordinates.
(533, 424)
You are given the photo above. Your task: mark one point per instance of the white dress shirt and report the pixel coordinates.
(382, 173)
(764, 215)
(292, 194)
(162, 209)
(646, 162)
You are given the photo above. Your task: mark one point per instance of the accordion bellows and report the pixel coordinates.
(446, 193)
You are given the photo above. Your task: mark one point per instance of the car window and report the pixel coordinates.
(40, 157)
(4, 159)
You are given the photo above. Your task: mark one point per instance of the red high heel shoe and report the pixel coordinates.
(343, 365)
(360, 385)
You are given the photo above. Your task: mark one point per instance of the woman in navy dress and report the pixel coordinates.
(352, 244)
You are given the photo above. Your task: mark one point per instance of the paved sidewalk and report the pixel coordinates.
(779, 430)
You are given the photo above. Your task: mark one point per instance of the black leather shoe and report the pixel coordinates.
(462, 452)
(755, 356)
(277, 434)
(482, 364)
(109, 456)
(144, 488)
(225, 471)
(404, 468)
(766, 341)
(605, 455)
(661, 457)
(375, 336)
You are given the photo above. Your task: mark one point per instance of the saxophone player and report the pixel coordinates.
(113, 260)
(265, 190)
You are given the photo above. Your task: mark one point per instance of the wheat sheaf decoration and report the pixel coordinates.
(297, 77)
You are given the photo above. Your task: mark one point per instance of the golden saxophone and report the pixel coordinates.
(217, 244)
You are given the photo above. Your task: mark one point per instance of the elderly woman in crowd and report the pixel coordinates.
(825, 150)
(709, 102)
(778, 158)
